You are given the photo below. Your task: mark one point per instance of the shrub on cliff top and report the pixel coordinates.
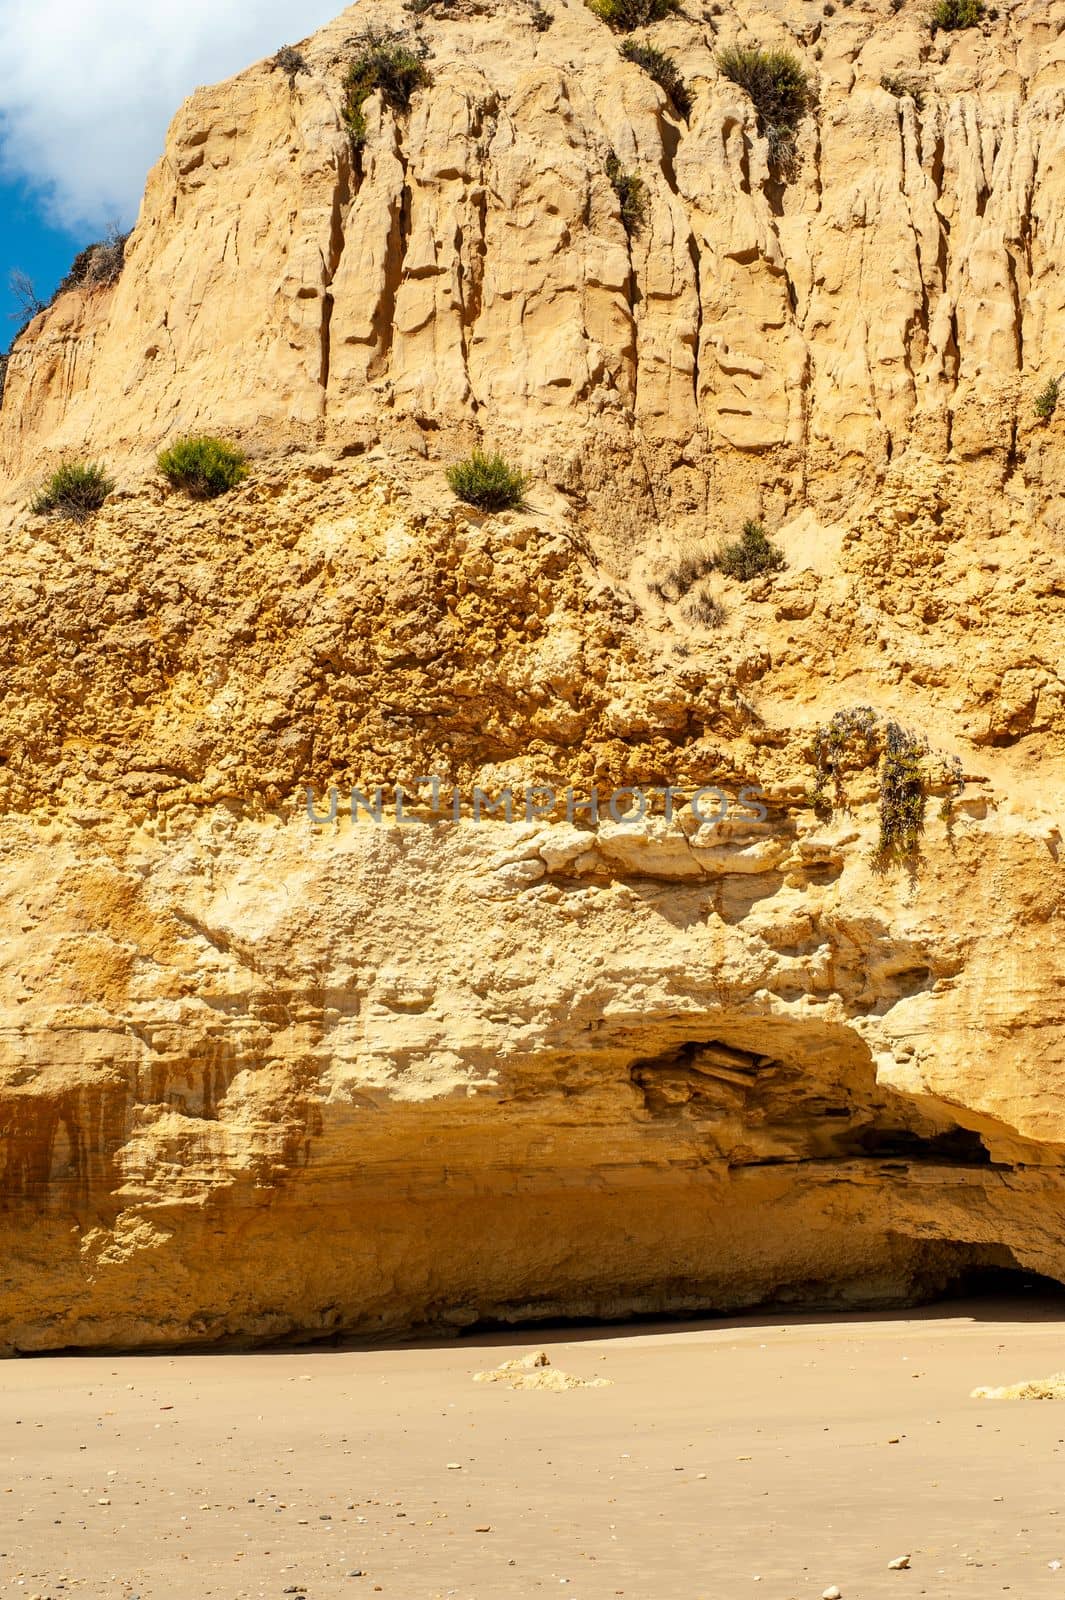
(750, 555)
(203, 467)
(952, 14)
(779, 89)
(384, 65)
(625, 15)
(488, 482)
(662, 69)
(98, 265)
(290, 61)
(76, 489)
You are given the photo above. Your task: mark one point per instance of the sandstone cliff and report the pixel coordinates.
(261, 1077)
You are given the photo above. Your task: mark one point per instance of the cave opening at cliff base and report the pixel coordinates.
(983, 1289)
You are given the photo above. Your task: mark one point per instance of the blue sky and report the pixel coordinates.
(31, 245)
(86, 93)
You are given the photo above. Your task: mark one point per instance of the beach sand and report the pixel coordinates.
(752, 1457)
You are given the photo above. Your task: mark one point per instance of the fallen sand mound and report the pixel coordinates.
(1035, 1389)
(535, 1371)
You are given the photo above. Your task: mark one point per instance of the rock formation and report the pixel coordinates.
(263, 1076)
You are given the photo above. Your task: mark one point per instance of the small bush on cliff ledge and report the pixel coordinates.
(488, 482)
(626, 15)
(76, 489)
(750, 555)
(779, 89)
(952, 14)
(903, 796)
(705, 609)
(631, 192)
(1046, 401)
(663, 69)
(203, 467)
(384, 65)
(672, 582)
(902, 87)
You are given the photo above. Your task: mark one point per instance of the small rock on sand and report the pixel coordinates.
(832, 1593)
(1052, 1388)
(899, 1564)
(535, 1371)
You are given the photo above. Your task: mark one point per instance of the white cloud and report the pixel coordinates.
(87, 87)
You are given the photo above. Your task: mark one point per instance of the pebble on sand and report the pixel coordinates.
(832, 1593)
(899, 1564)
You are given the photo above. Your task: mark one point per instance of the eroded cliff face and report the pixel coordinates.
(759, 340)
(263, 1077)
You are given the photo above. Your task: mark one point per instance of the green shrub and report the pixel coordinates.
(76, 489)
(488, 482)
(780, 91)
(903, 795)
(662, 69)
(1046, 401)
(626, 15)
(860, 739)
(849, 739)
(631, 192)
(203, 467)
(900, 86)
(750, 555)
(385, 65)
(952, 14)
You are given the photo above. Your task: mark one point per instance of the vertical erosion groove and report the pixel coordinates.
(342, 194)
(693, 249)
(395, 259)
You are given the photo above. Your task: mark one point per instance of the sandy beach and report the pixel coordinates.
(771, 1459)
